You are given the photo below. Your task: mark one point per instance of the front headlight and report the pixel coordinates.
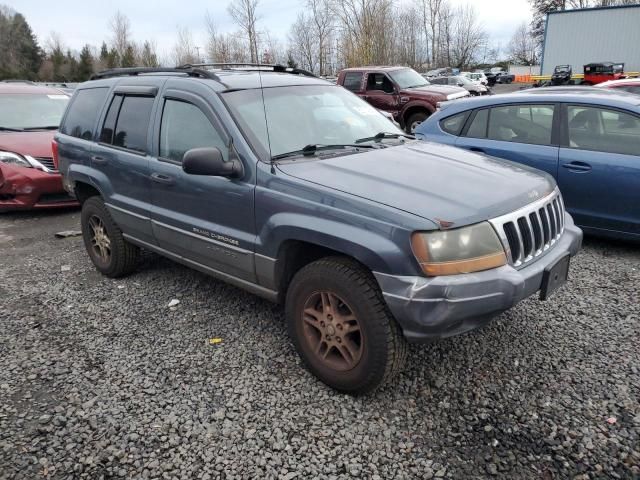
(14, 158)
(461, 250)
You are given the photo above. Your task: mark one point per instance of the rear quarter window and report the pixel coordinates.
(83, 112)
(353, 81)
(454, 124)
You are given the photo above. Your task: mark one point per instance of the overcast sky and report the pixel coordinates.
(86, 21)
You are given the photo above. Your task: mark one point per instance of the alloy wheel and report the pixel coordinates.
(100, 242)
(331, 331)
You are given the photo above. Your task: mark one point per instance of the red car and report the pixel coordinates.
(29, 116)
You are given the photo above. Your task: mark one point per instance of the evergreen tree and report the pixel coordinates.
(129, 57)
(148, 57)
(57, 60)
(113, 58)
(104, 53)
(85, 66)
(71, 70)
(20, 54)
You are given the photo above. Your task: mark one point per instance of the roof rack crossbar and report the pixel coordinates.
(134, 71)
(252, 67)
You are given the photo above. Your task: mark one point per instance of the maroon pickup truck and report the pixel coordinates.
(401, 91)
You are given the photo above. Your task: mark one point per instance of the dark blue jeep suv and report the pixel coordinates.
(297, 190)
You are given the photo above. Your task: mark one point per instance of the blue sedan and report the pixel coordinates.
(587, 138)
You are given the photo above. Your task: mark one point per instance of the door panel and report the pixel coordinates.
(121, 157)
(542, 157)
(601, 190)
(209, 220)
(376, 95)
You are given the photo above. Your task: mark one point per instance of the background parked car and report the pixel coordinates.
(478, 77)
(29, 117)
(586, 138)
(631, 85)
(464, 82)
(402, 91)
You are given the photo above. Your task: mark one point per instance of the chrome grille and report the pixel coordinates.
(48, 163)
(529, 232)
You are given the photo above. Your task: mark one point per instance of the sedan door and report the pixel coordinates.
(522, 133)
(599, 173)
(207, 220)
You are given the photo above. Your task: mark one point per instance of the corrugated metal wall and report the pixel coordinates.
(578, 37)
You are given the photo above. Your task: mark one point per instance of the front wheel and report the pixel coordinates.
(414, 121)
(341, 326)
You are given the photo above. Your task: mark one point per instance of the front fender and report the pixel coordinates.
(415, 105)
(379, 249)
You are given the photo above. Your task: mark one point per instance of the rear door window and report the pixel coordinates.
(353, 81)
(603, 130)
(522, 124)
(184, 126)
(83, 112)
(127, 122)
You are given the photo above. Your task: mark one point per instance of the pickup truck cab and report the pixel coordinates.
(297, 190)
(401, 91)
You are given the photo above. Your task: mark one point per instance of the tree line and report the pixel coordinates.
(326, 36)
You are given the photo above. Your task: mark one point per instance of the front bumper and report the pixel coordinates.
(29, 188)
(439, 307)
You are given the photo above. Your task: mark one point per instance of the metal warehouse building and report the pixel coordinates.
(579, 37)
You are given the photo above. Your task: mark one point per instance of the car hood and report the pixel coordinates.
(36, 144)
(447, 185)
(429, 90)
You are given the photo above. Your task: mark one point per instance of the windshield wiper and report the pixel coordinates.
(47, 127)
(382, 136)
(9, 129)
(310, 150)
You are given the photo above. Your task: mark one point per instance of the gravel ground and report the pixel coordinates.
(101, 379)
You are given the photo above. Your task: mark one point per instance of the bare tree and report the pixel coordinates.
(303, 42)
(244, 14)
(366, 30)
(409, 47)
(184, 51)
(522, 48)
(468, 37)
(322, 21)
(121, 33)
(224, 48)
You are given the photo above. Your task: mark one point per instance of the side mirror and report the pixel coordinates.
(208, 161)
(460, 84)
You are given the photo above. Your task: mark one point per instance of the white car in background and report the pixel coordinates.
(476, 77)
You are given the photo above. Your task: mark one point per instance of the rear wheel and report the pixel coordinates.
(111, 254)
(341, 326)
(414, 121)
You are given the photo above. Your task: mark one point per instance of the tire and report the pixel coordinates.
(119, 258)
(343, 296)
(414, 120)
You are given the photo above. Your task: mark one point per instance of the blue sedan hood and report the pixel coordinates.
(447, 185)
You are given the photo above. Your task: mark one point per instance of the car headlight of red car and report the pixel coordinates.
(14, 159)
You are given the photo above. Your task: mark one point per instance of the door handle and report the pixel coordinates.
(162, 179)
(476, 149)
(577, 166)
(98, 160)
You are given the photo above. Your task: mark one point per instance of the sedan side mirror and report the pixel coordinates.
(209, 161)
(460, 84)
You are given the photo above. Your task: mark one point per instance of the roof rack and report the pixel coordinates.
(251, 67)
(188, 70)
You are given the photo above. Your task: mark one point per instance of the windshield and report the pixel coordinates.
(29, 111)
(408, 78)
(298, 116)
